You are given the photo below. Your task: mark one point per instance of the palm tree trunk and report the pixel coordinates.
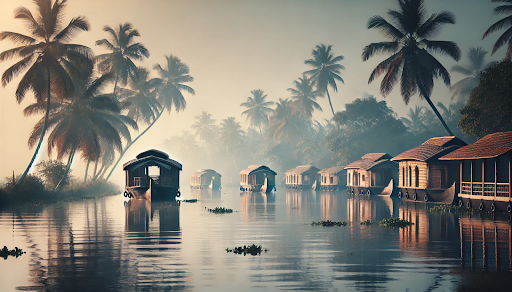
(115, 83)
(22, 178)
(95, 168)
(130, 144)
(86, 170)
(439, 116)
(330, 103)
(70, 160)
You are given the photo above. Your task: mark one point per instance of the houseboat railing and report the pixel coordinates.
(141, 181)
(485, 189)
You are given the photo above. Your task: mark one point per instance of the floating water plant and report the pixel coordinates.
(451, 208)
(367, 222)
(220, 210)
(394, 222)
(16, 252)
(251, 249)
(190, 201)
(329, 223)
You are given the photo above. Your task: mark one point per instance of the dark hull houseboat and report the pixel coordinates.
(333, 178)
(205, 179)
(152, 176)
(423, 177)
(374, 174)
(485, 172)
(257, 178)
(301, 177)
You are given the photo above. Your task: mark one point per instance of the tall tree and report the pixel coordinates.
(231, 132)
(411, 61)
(326, 70)
(500, 24)
(170, 93)
(123, 50)
(257, 108)
(206, 130)
(472, 70)
(415, 121)
(285, 125)
(304, 97)
(46, 54)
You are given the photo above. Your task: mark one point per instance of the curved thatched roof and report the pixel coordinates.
(431, 149)
(370, 160)
(302, 169)
(333, 170)
(489, 146)
(202, 172)
(257, 168)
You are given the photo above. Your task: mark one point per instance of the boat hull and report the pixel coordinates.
(501, 204)
(386, 191)
(439, 196)
(257, 188)
(154, 192)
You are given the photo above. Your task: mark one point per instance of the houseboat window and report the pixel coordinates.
(362, 178)
(410, 176)
(417, 176)
(349, 178)
(153, 171)
(403, 176)
(332, 180)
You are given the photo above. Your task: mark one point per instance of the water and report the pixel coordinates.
(109, 244)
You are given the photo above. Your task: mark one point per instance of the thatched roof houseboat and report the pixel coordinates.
(205, 179)
(423, 177)
(152, 176)
(333, 178)
(257, 178)
(374, 174)
(485, 172)
(301, 177)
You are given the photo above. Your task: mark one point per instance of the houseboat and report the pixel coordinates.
(374, 174)
(205, 179)
(302, 177)
(257, 178)
(152, 176)
(485, 172)
(333, 178)
(423, 177)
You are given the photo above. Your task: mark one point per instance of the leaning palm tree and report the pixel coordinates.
(500, 24)
(46, 54)
(257, 108)
(304, 97)
(123, 50)
(326, 71)
(231, 132)
(411, 61)
(170, 94)
(476, 64)
(206, 130)
(81, 120)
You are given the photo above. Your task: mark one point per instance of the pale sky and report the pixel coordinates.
(233, 47)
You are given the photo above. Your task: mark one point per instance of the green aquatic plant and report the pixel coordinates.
(329, 223)
(250, 249)
(190, 201)
(367, 222)
(220, 210)
(16, 252)
(394, 222)
(451, 208)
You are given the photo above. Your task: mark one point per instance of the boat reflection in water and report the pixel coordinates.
(205, 194)
(362, 208)
(140, 215)
(256, 206)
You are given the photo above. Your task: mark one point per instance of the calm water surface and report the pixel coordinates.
(109, 244)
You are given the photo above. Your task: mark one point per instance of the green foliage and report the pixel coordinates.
(16, 252)
(220, 210)
(366, 222)
(394, 222)
(451, 208)
(32, 188)
(250, 249)
(489, 109)
(329, 223)
(52, 171)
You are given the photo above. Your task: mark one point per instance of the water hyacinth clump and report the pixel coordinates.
(329, 223)
(394, 222)
(220, 210)
(190, 201)
(16, 252)
(367, 222)
(451, 208)
(251, 249)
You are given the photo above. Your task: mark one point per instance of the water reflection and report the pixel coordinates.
(373, 208)
(257, 206)
(140, 215)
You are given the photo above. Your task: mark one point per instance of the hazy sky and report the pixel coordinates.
(233, 47)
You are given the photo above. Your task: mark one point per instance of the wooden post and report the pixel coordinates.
(471, 172)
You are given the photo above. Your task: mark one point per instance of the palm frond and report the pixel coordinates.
(75, 26)
(443, 47)
(432, 26)
(388, 29)
(500, 24)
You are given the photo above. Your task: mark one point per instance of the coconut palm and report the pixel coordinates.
(170, 94)
(285, 125)
(123, 50)
(45, 53)
(472, 71)
(82, 119)
(500, 24)
(326, 70)
(206, 130)
(257, 108)
(411, 61)
(231, 132)
(415, 120)
(304, 97)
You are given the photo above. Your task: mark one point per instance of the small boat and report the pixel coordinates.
(152, 176)
(374, 174)
(301, 177)
(333, 178)
(205, 179)
(257, 178)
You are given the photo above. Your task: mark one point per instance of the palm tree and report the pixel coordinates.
(326, 70)
(410, 49)
(170, 94)
(304, 97)
(206, 130)
(46, 54)
(231, 132)
(500, 24)
(123, 50)
(284, 124)
(463, 87)
(416, 120)
(257, 108)
(80, 121)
